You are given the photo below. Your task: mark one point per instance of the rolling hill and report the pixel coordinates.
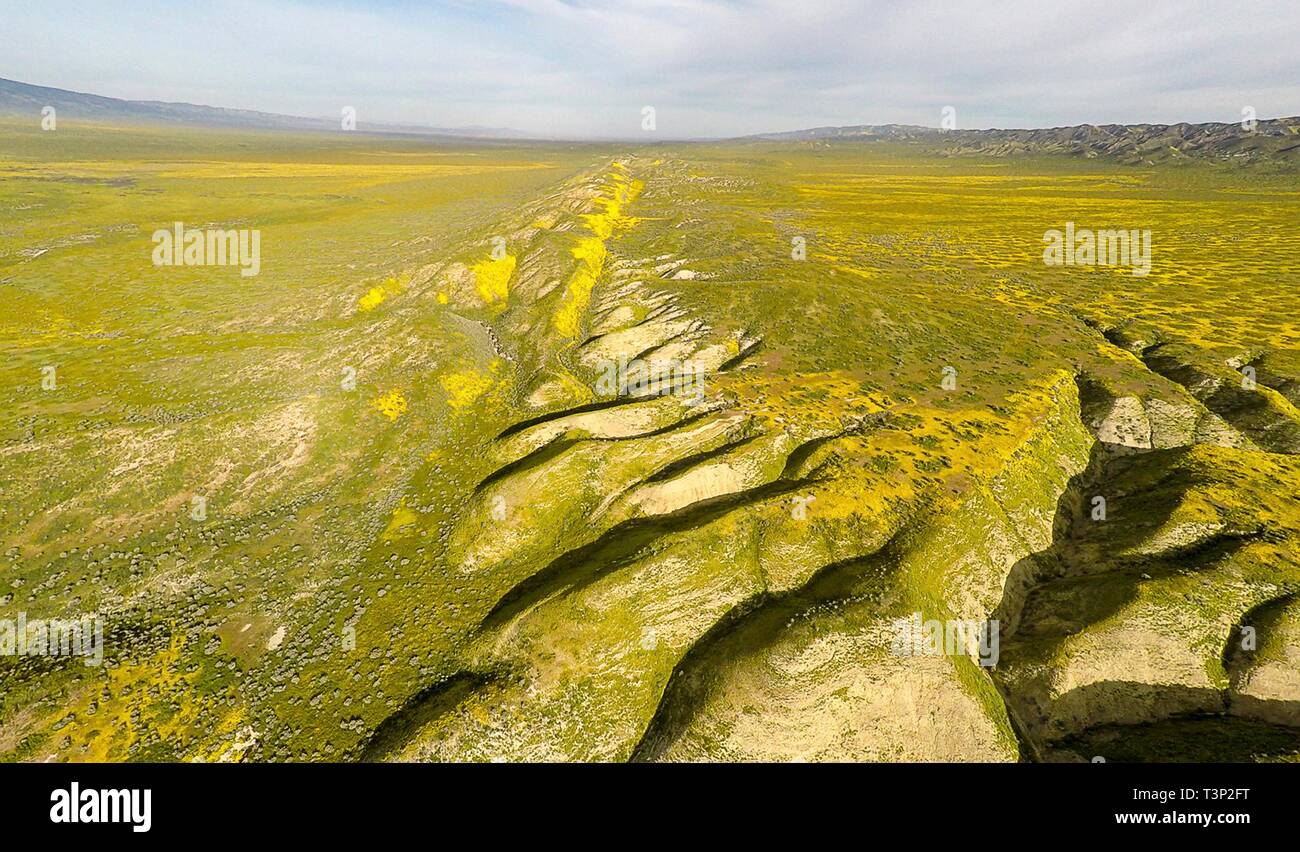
(1277, 138)
(18, 98)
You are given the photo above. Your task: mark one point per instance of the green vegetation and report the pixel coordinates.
(425, 534)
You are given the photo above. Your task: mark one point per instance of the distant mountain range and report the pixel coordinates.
(26, 99)
(1277, 138)
(1273, 139)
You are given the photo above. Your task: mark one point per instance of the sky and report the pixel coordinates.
(709, 68)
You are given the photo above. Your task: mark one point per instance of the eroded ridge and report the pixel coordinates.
(724, 577)
(1168, 570)
(653, 456)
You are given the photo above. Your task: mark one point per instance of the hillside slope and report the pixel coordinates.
(1272, 140)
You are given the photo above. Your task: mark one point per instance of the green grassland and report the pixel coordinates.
(472, 554)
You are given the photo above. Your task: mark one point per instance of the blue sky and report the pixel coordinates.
(708, 67)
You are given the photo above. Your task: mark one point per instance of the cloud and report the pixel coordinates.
(709, 67)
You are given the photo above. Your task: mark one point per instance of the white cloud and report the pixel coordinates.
(709, 67)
